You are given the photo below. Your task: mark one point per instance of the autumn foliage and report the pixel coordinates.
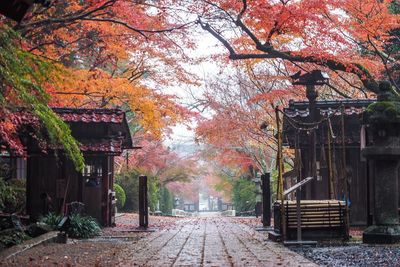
(101, 56)
(120, 53)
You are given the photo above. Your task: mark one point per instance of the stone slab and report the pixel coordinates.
(14, 250)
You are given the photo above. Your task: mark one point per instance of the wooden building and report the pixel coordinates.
(332, 171)
(53, 182)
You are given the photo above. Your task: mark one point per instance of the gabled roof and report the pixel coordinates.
(121, 137)
(297, 114)
(91, 115)
(328, 107)
(108, 146)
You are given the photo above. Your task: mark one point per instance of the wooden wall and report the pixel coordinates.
(58, 179)
(357, 181)
(42, 173)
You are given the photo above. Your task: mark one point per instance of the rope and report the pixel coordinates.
(329, 134)
(346, 190)
(280, 172)
(313, 124)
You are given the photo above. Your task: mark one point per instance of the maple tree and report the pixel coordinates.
(155, 159)
(349, 39)
(346, 37)
(239, 105)
(188, 191)
(22, 77)
(110, 55)
(117, 52)
(166, 170)
(102, 54)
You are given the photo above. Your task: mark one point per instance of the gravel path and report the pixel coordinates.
(354, 255)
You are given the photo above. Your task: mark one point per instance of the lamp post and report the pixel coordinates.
(310, 80)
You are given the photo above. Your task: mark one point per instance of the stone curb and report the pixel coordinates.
(14, 250)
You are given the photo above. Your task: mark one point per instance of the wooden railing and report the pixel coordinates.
(320, 219)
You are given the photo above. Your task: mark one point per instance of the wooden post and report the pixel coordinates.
(266, 204)
(312, 95)
(143, 204)
(344, 166)
(280, 173)
(330, 165)
(298, 212)
(298, 191)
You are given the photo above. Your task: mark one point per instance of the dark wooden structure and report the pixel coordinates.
(53, 182)
(17, 9)
(324, 219)
(332, 171)
(266, 201)
(143, 202)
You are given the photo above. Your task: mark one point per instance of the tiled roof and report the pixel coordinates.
(324, 112)
(90, 115)
(113, 146)
(117, 139)
(298, 112)
(351, 107)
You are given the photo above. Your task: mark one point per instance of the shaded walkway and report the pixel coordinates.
(211, 241)
(197, 241)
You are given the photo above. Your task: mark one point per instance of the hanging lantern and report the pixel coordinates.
(17, 9)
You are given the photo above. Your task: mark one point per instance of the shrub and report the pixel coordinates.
(79, 226)
(83, 227)
(152, 192)
(7, 194)
(130, 183)
(12, 195)
(166, 201)
(18, 202)
(244, 196)
(51, 220)
(120, 195)
(11, 237)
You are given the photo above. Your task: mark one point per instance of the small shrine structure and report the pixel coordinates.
(52, 182)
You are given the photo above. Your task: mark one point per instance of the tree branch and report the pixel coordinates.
(268, 52)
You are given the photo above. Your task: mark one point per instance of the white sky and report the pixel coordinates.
(206, 43)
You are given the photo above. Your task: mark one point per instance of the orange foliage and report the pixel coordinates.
(341, 35)
(112, 53)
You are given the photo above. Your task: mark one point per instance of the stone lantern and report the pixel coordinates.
(310, 80)
(383, 151)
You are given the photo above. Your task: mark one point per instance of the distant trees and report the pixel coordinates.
(167, 173)
(243, 195)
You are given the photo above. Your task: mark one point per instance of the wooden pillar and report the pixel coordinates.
(143, 204)
(106, 187)
(266, 204)
(312, 95)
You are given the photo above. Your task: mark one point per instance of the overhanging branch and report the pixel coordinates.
(268, 52)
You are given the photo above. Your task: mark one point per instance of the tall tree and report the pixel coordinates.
(343, 36)
(23, 100)
(104, 54)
